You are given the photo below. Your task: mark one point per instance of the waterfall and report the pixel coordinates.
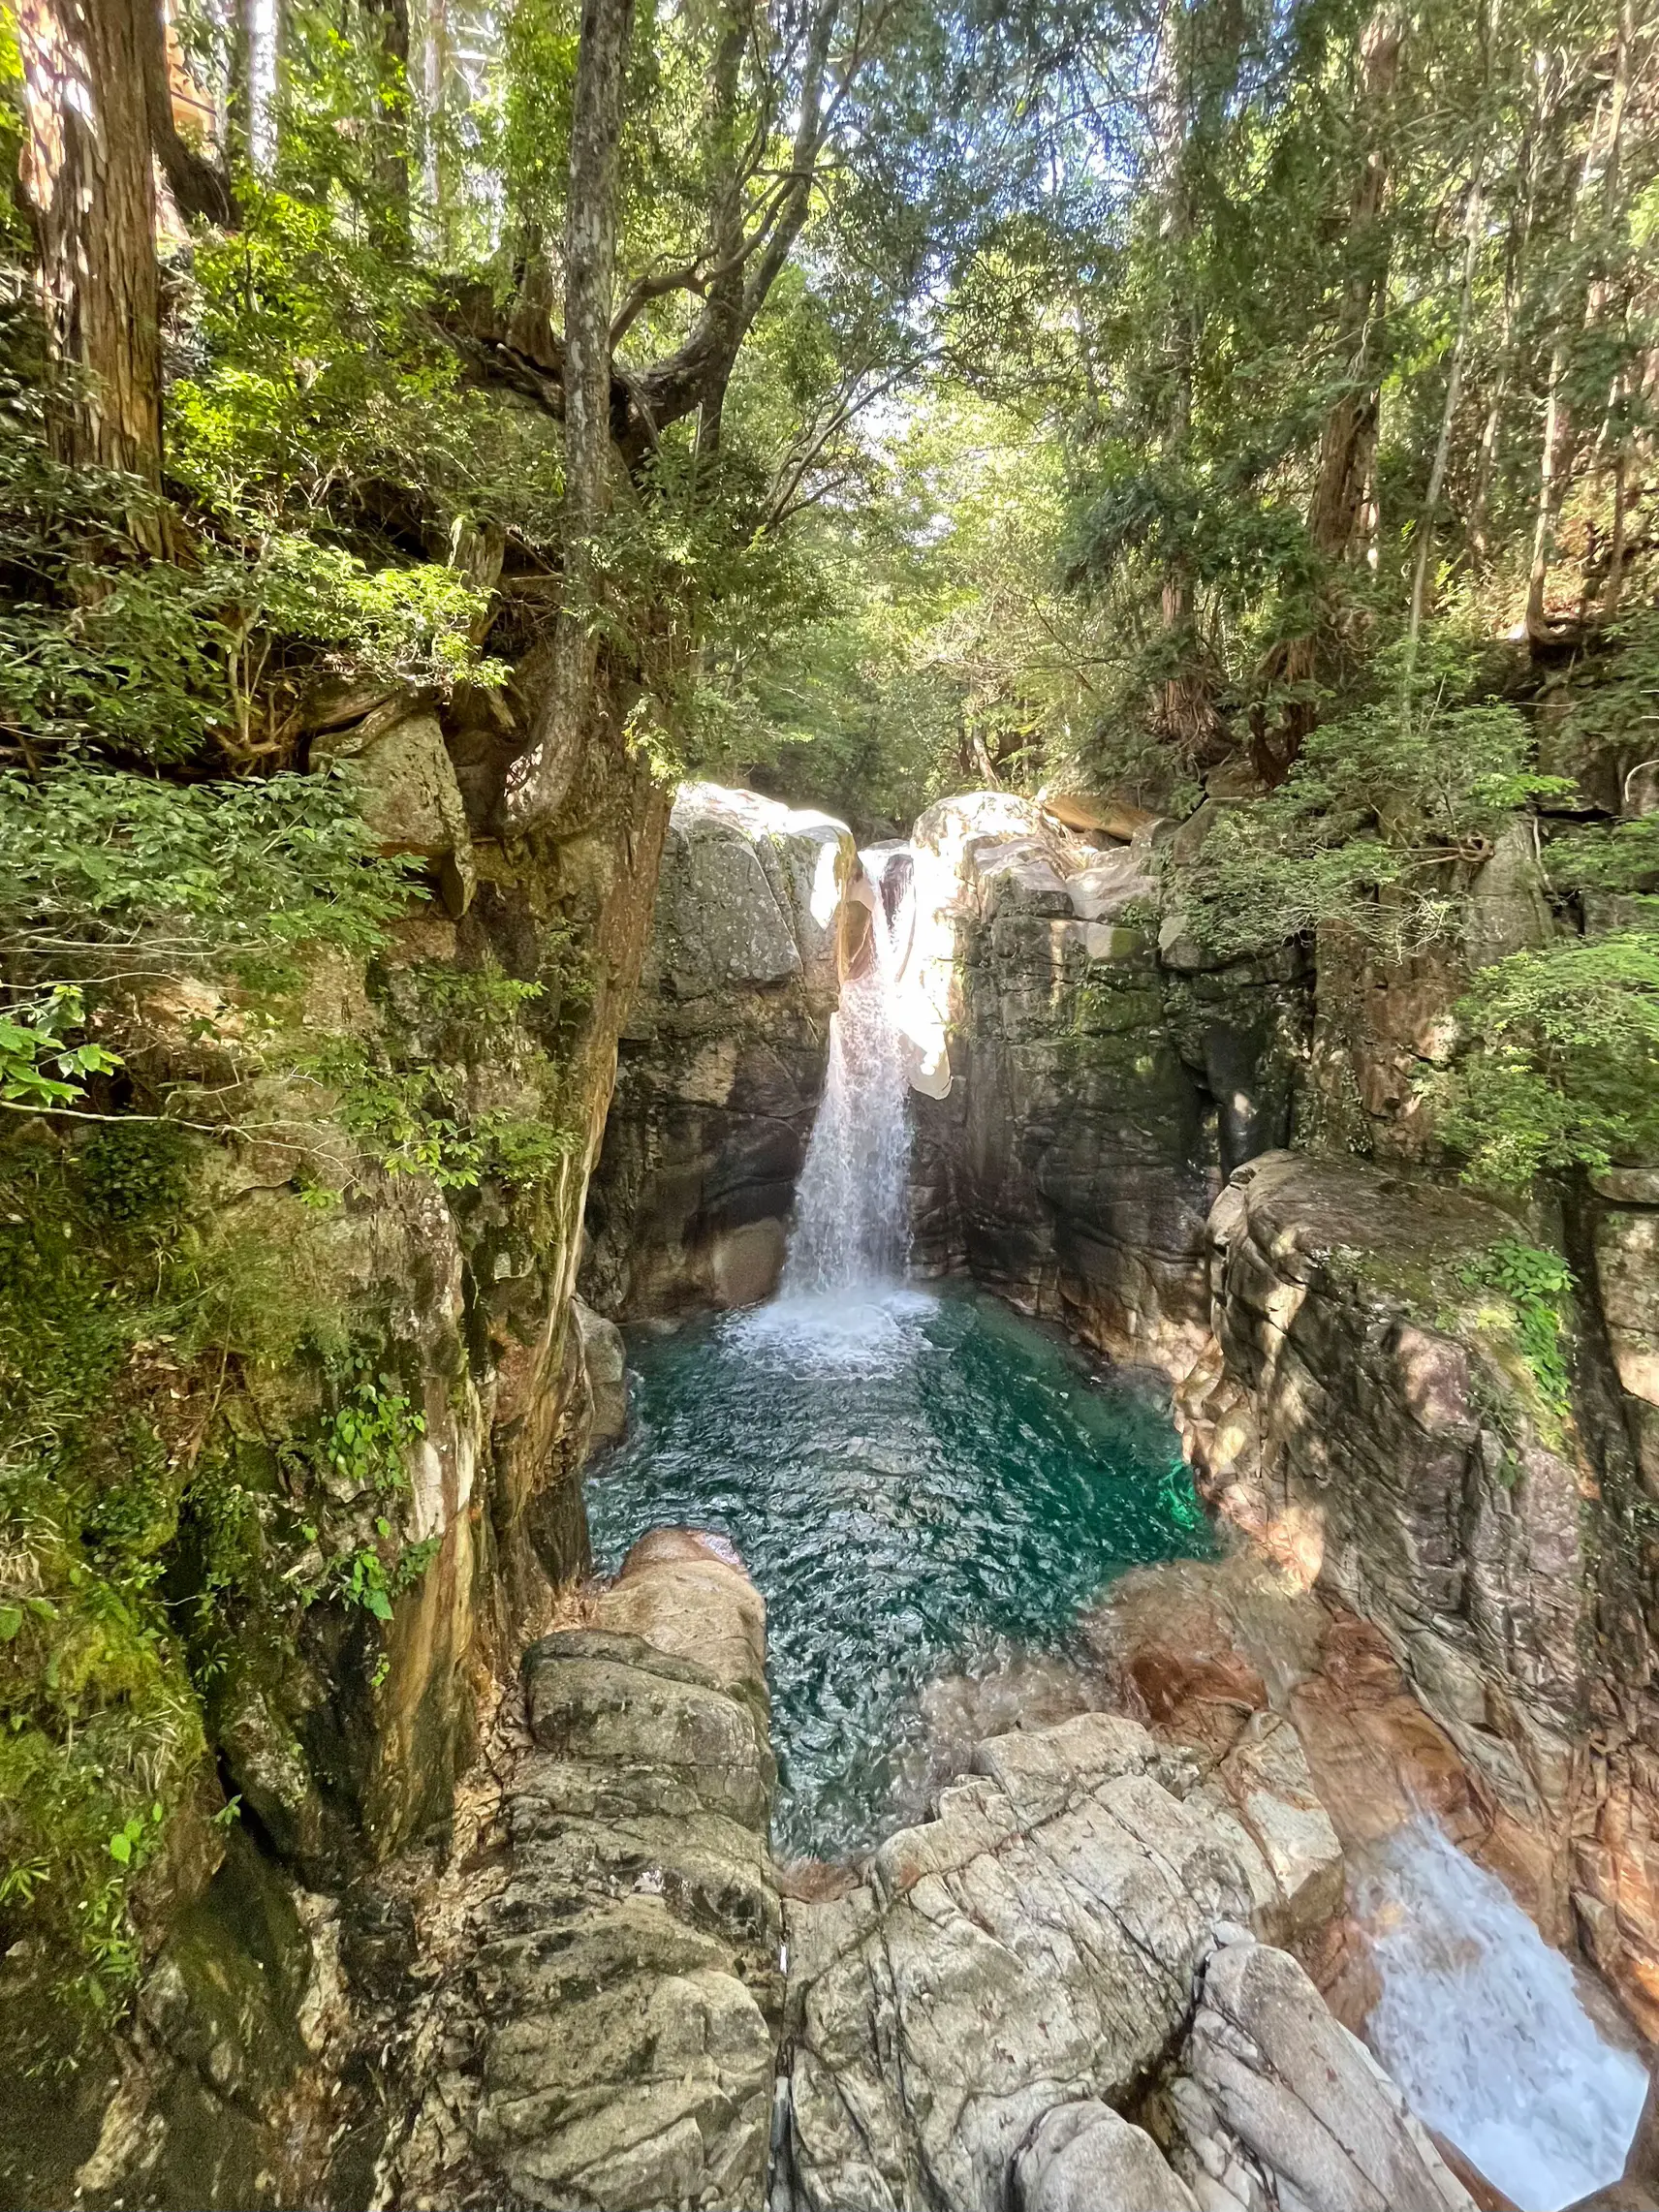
(1480, 2023)
(852, 1208)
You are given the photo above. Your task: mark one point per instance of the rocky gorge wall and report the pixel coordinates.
(359, 1501)
(722, 1057)
(1362, 1391)
(1100, 1085)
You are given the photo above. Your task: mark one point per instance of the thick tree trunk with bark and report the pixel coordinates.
(90, 181)
(1349, 437)
(543, 775)
(200, 189)
(1347, 446)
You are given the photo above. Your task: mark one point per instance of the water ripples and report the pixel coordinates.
(919, 1485)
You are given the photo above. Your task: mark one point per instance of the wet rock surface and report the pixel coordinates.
(722, 1060)
(1099, 1084)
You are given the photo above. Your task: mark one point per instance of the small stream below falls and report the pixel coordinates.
(916, 1482)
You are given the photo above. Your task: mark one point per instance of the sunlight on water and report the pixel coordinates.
(1481, 2024)
(917, 1483)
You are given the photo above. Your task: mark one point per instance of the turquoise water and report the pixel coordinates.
(915, 1483)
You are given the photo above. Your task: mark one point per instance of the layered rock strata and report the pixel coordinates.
(1368, 1412)
(1084, 1086)
(608, 2041)
(722, 1059)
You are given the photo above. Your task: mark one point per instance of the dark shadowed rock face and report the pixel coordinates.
(1099, 1089)
(722, 1061)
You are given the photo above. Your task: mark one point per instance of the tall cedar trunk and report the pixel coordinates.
(260, 27)
(389, 27)
(542, 776)
(1473, 223)
(1347, 444)
(199, 188)
(1350, 432)
(1556, 459)
(91, 185)
(726, 231)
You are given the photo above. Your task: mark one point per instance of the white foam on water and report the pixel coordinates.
(1481, 2024)
(869, 1327)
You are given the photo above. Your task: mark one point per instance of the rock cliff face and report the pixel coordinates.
(1101, 1085)
(1370, 1413)
(722, 1059)
(413, 1279)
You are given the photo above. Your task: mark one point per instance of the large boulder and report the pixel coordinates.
(1274, 2104)
(722, 1064)
(1034, 1946)
(1087, 2157)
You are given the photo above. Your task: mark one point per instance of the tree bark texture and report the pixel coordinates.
(1350, 430)
(543, 775)
(198, 187)
(90, 180)
(1347, 444)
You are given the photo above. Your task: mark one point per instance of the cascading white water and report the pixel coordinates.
(850, 1225)
(1481, 2024)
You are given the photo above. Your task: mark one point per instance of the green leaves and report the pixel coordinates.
(1559, 1064)
(39, 1065)
(1416, 775)
(92, 856)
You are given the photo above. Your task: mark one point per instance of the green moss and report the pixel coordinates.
(1534, 1288)
(149, 1529)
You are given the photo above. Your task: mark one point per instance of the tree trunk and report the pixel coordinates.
(1337, 511)
(388, 29)
(198, 187)
(726, 231)
(1350, 430)
(1448, 413)
(90, 181)
(259, 24)
(1555, 461)
(542, 776)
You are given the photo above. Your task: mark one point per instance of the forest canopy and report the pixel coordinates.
(1187, 399)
